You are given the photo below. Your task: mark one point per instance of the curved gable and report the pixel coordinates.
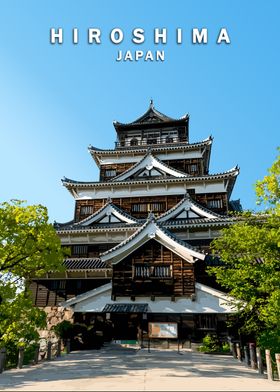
(189, 209)
(107, 214)
(150, 230)
(150, 167)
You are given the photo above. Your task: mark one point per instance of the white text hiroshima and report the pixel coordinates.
(159, 36)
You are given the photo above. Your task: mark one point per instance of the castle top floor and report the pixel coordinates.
(152, 128)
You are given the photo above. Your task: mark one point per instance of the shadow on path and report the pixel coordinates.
(114, 362)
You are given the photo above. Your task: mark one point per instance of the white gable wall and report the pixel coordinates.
(207, 301)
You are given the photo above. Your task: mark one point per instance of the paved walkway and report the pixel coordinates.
(115, 369)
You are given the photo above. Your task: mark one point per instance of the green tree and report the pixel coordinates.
(268, 190)
(29, 247)
(250, 251)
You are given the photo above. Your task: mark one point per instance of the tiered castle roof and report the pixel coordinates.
(147, 155)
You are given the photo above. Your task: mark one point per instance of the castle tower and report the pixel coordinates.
(140, 236)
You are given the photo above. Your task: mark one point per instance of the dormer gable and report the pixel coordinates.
(149, 167)
(188, 209)
(108, 214)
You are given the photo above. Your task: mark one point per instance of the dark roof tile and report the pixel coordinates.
(84, 264)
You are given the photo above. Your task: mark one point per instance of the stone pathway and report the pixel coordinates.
(113, 369)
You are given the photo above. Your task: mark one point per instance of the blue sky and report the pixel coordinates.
(56, 100)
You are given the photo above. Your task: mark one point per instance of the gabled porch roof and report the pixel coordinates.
(151, 230)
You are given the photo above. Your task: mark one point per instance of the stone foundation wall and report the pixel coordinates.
(55, 314)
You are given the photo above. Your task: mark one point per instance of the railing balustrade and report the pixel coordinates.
(149, 142)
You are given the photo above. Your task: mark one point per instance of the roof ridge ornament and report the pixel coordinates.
(151, 115)
(151, 217)
(109, 200)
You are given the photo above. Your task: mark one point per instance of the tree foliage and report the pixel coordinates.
(268, 189)
(250, 251)
(19, 320)
(29, 247)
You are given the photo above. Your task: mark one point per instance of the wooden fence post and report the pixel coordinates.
(49, 351)
(238, 352)
(259, 360)
(246, 356)
(36, 354)
(68, 346)
(233, 349)
(20, 357)
(253, 355)
(268, 365)
(58, 353)
(277, 357)
(2, 359)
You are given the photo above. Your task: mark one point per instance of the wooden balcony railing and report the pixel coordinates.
(149, 141)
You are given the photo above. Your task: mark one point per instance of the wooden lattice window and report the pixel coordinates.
(206, 322)
(110, 173)
(215, 203)
(162, 271)
(57, 284)
(147, 207)
(86, 210)
(152, 271)
(193, 168)
(80, 250)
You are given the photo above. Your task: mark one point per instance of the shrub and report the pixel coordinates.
(226, 347)
(63, 330)
(270, 339)
(12, 354)
(210, 344)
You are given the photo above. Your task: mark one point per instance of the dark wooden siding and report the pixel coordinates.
(118, 168)
(53, 291)
(158, 204)
(150, 255)
(193, 167)
(216, 202)
(128, 204)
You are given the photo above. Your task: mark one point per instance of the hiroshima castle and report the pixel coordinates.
(140, 237)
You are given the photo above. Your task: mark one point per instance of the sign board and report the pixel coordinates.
(163, 330)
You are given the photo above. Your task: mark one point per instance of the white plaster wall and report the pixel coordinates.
(153, 190)
(191, 154)
(101, 237)
(204, 303)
